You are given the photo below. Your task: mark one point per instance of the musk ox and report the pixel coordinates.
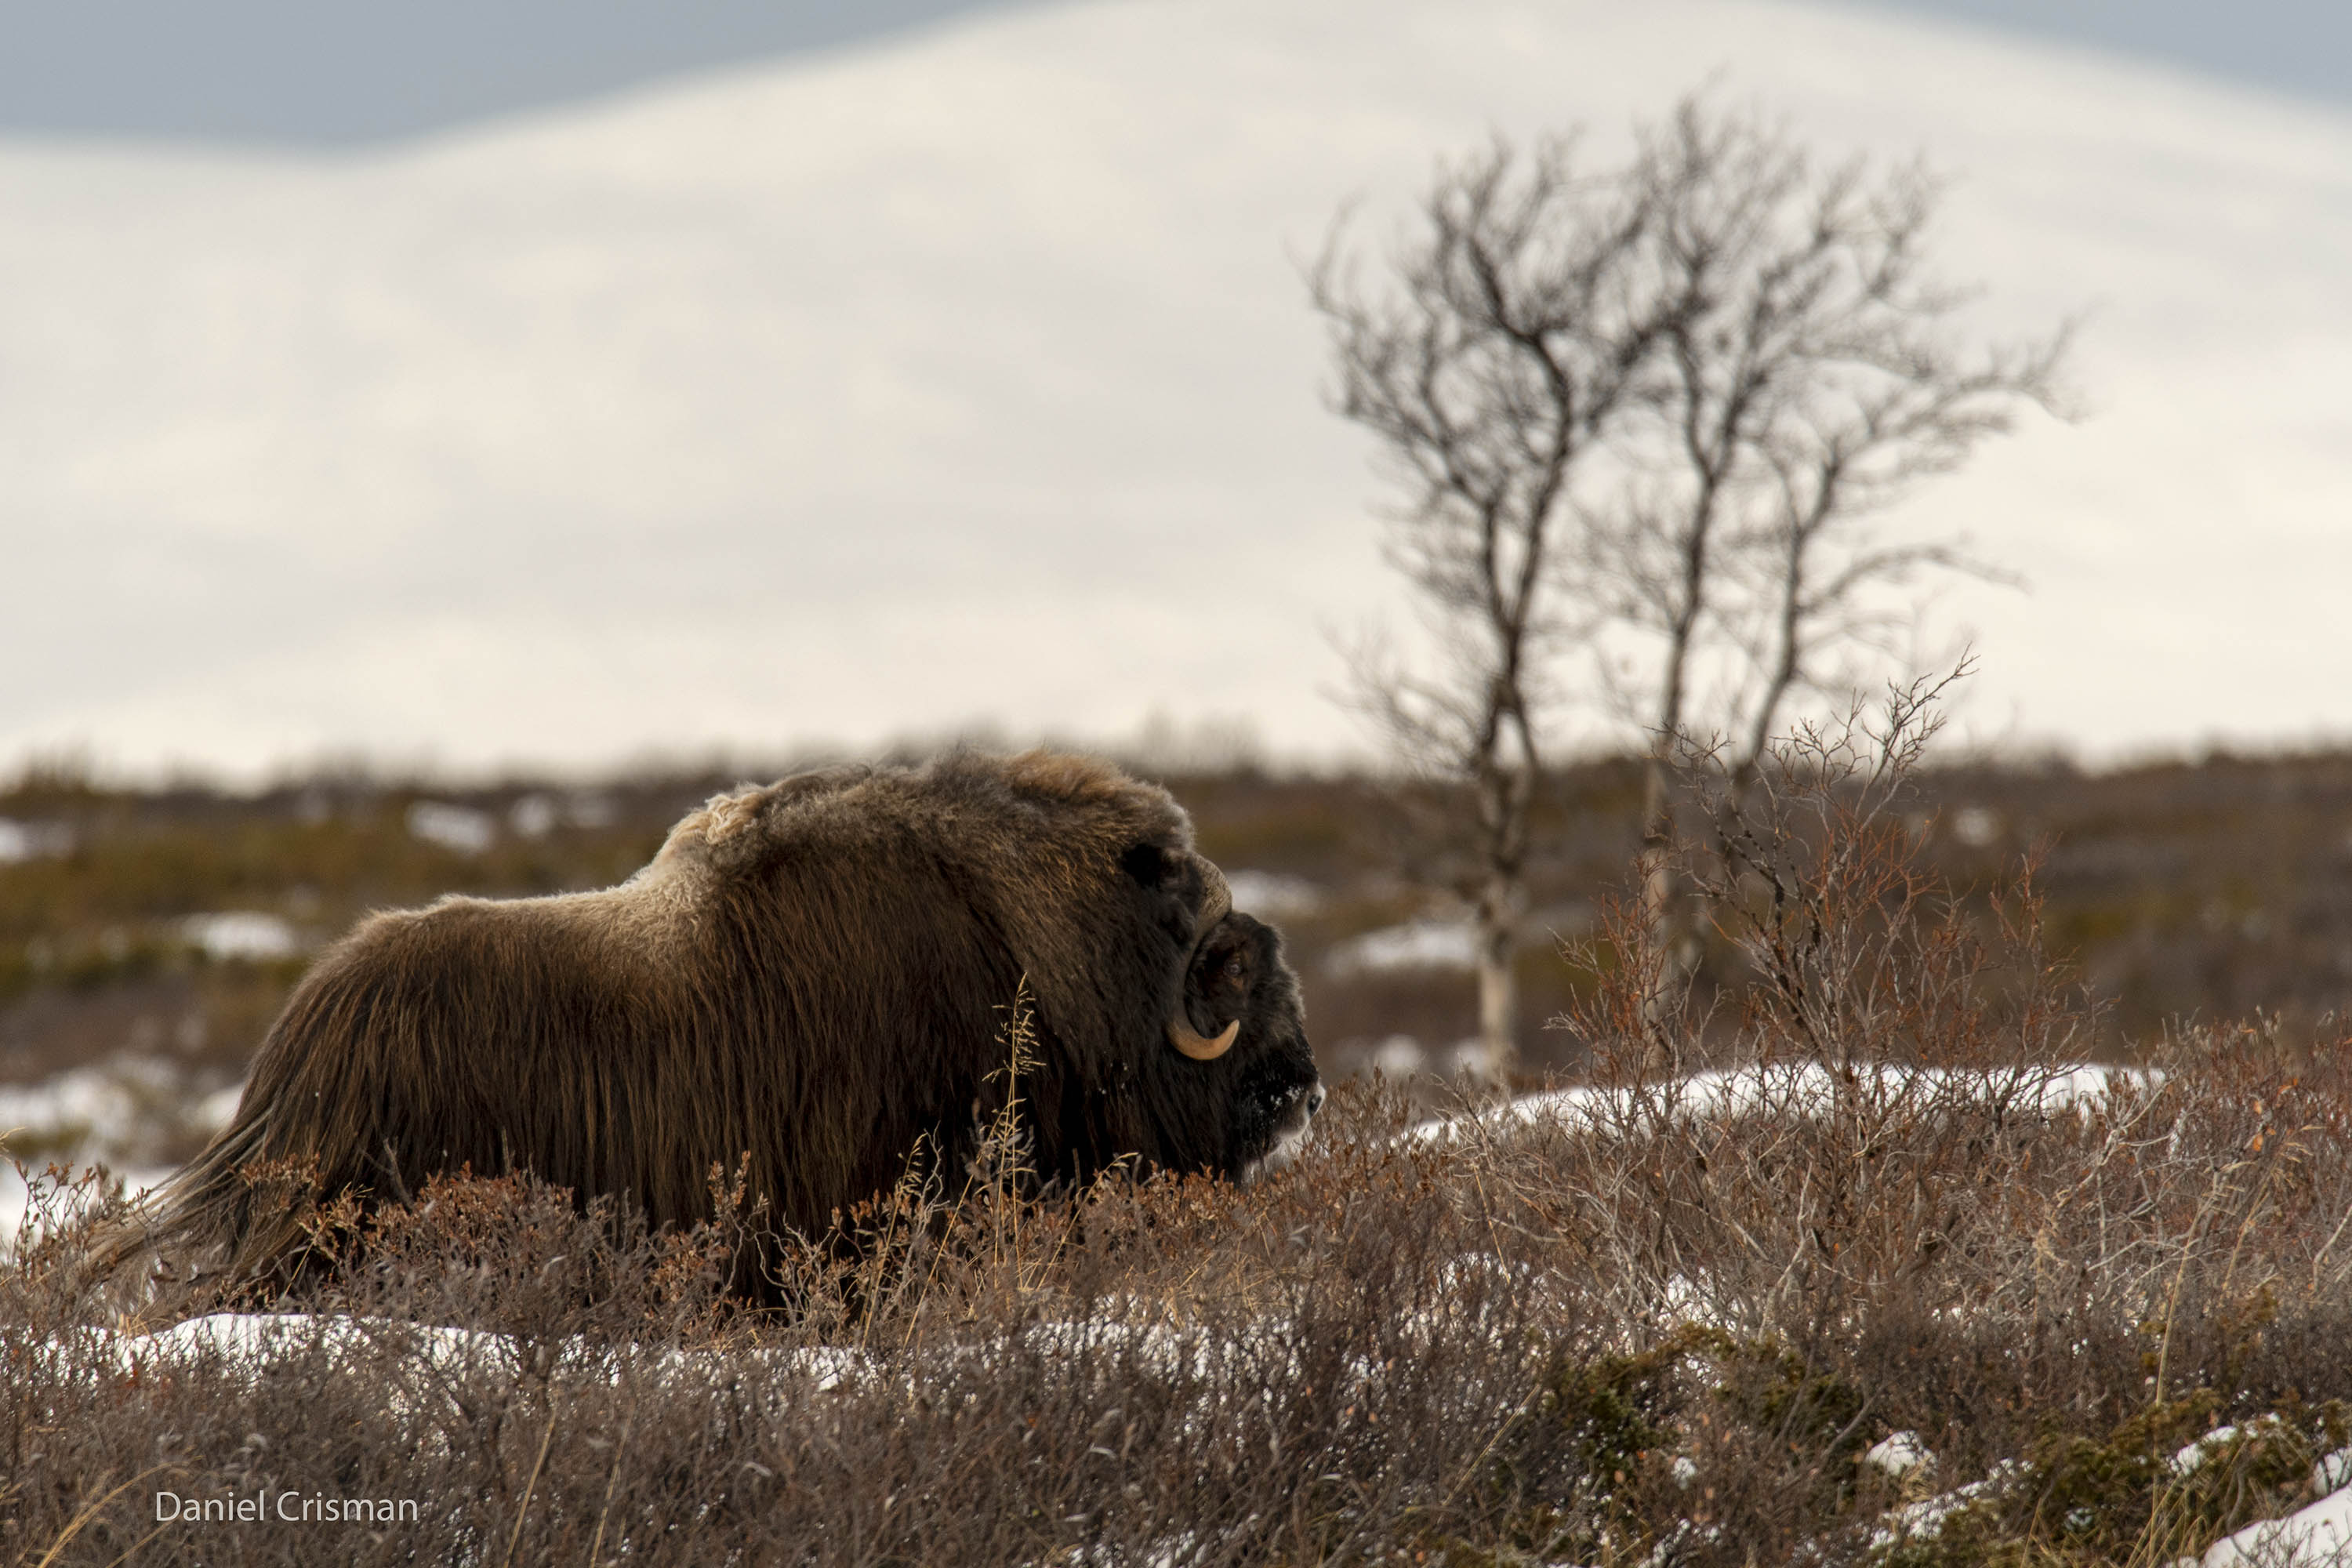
(813, 974)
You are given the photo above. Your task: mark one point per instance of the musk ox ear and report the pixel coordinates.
(1148, 864)
(1189, 901)
(1169, 880)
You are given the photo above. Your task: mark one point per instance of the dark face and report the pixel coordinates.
(1268, 1078)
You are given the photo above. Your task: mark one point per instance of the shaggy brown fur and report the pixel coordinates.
(813, 973)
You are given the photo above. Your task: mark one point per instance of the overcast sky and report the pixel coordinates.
(339, 71)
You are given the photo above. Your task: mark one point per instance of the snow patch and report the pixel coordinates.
(1417, 944)
(120, 1117)
(1923, 1519)
(456, 827)
(251, 1342)
(32, 840)
(533, 816)
(536, 815)
(1475, 1060)
(1273, 895)
(215, 1111)
(1976, 825)
(2320, 1533)
(17, 1196)
(1804, 1089)
(240, 933)
(2194, 1455)
(1898, 1454)
(99, 1106)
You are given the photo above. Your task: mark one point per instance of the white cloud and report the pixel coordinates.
(970, 377)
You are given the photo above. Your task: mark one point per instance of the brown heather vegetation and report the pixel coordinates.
(1651, 1332)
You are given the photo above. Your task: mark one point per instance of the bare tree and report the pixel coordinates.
(1645, 415)
(1517, 329)
(1809, 373)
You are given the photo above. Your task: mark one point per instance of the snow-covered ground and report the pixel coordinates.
(1416, 944)
(2315, 1536)
(15, 1194)
(110, 1112)
(1273, 895)
(32, 840)
(116, 1116)
(242, 933)
(1803, 1089)
(2318, 1535)
(459, 827)
(970, 373)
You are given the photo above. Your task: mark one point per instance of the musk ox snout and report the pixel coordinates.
(808, 983)
(1239, 974)
(1292, 1125)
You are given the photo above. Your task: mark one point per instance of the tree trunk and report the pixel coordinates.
(1498, 991)
(1662, 915)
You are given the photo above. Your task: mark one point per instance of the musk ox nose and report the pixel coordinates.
(1315, 1099)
